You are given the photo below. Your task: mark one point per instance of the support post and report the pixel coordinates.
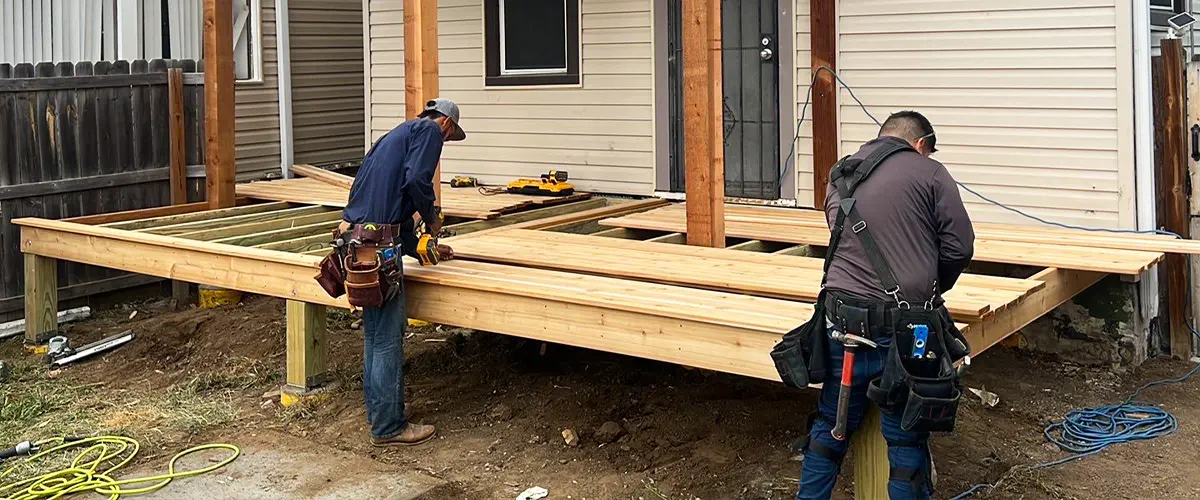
(421, 64)
(869, 448)
(41, 298)
(306, 346)
(1173, 189)
(180, 290)
(703, 131)
(220, 162)
(823, 37)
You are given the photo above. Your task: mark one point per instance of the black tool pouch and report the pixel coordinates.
(800, 358)
(923, 390)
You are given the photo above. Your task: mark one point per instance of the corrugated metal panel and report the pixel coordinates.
(327, 80)
(1023, 95)
(257, 110)
(33, 31)
(602, 132)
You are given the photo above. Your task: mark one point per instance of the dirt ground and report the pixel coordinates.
(501, 405)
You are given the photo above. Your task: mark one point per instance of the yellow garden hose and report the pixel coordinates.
(85, 475)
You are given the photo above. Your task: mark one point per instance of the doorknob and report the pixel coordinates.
(766, 54)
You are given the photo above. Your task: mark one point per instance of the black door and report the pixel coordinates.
(750, 84)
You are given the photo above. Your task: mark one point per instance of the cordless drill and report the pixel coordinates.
(427, 243)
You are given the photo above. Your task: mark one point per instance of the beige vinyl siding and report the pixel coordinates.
(804, 157)
(602, 131)
(327, 80)
(257, 110)
(1023, 95)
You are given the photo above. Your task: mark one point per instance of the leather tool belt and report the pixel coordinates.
(364, 265)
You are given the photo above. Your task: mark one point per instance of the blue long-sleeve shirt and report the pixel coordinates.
(396, 177)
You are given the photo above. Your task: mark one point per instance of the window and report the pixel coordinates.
(247, 40)
(532, 42)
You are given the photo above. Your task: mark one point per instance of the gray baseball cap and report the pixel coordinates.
(450, 110)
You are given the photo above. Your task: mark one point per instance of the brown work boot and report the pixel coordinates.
(413, 434)
(408, 412)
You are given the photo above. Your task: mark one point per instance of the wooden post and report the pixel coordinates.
(1173, 189)
(306, 346)
(871, 466)
(703, 131)
(41, 298)
(220, 162)
(178, 144)
(823, 36)
(421, 64)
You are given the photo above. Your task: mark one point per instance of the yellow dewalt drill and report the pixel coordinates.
(427, 244)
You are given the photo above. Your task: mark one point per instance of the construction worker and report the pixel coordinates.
(908, 244)
(394, 183)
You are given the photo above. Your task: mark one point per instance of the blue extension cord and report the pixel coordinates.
(1086, 431)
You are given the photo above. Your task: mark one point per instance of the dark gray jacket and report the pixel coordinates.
(914, 211)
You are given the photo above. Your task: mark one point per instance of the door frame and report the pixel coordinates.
(786, 57)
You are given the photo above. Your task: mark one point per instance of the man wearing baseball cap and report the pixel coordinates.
(394, 183)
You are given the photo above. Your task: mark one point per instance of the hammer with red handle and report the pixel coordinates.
(850, 343)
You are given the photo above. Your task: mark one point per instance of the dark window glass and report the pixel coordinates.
(535, 35)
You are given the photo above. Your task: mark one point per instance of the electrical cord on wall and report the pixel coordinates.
(1083, 432)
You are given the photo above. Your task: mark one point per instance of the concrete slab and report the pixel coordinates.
(282, 467)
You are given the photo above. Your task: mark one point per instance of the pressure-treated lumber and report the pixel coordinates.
(189, 227)
(822, 15)
(324, 229)
(1127, 262)
(41, 298)
(456, 202)
(220, 162)
(613, 210)
(331, 178)
(985, 230)
(1171, 128)
(178, 137)
(421, 64)
(869, 449)
(703, 131)
(717, 269)
(143, 219)
(306, 345)
(259, 227)
(145, 213)
(1061, 285)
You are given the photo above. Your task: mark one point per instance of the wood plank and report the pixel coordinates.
(1061, 286)
(61, 186)
(704, 155)
(326, 176)
(99, 81)
(252, 228)
(137, 219)
(188, 227)
(1173, 192)
(178, 137)
(323, 229)
(822, 15)
(614, 210)
(220, 160)
(421, 65)
(307, 348)
(1068, 257)
(301, 244)
(761, 275)
(41, 298)
(527, 216)
(672, 238)
(872, 469)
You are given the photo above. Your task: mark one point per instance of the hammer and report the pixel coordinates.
(850, 342)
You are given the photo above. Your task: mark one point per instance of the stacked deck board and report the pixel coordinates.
(750, 273)
(1064, 249)
(467, 203)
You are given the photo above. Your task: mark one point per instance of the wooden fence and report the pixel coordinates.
(82, 139)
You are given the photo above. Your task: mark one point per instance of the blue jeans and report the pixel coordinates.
(383, 365)
(820, 473)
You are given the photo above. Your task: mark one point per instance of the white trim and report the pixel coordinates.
(256, 43)
(1144, 154)
(284, 65)
(504, 71)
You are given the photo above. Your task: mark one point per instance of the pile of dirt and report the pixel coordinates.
(642, 429)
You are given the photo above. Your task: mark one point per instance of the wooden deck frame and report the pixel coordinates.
(473, 295)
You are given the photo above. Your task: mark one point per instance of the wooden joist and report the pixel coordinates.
(143, 219)
(332, 178)
(1058, 255)
(765, 275)
(243, 218)
(467, 203)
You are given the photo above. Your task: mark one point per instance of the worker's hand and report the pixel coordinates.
(445, 252)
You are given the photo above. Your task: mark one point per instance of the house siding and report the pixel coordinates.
(256, 110)
(804, 152)
(601, 131)
(327, 80)
(1025, 96)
